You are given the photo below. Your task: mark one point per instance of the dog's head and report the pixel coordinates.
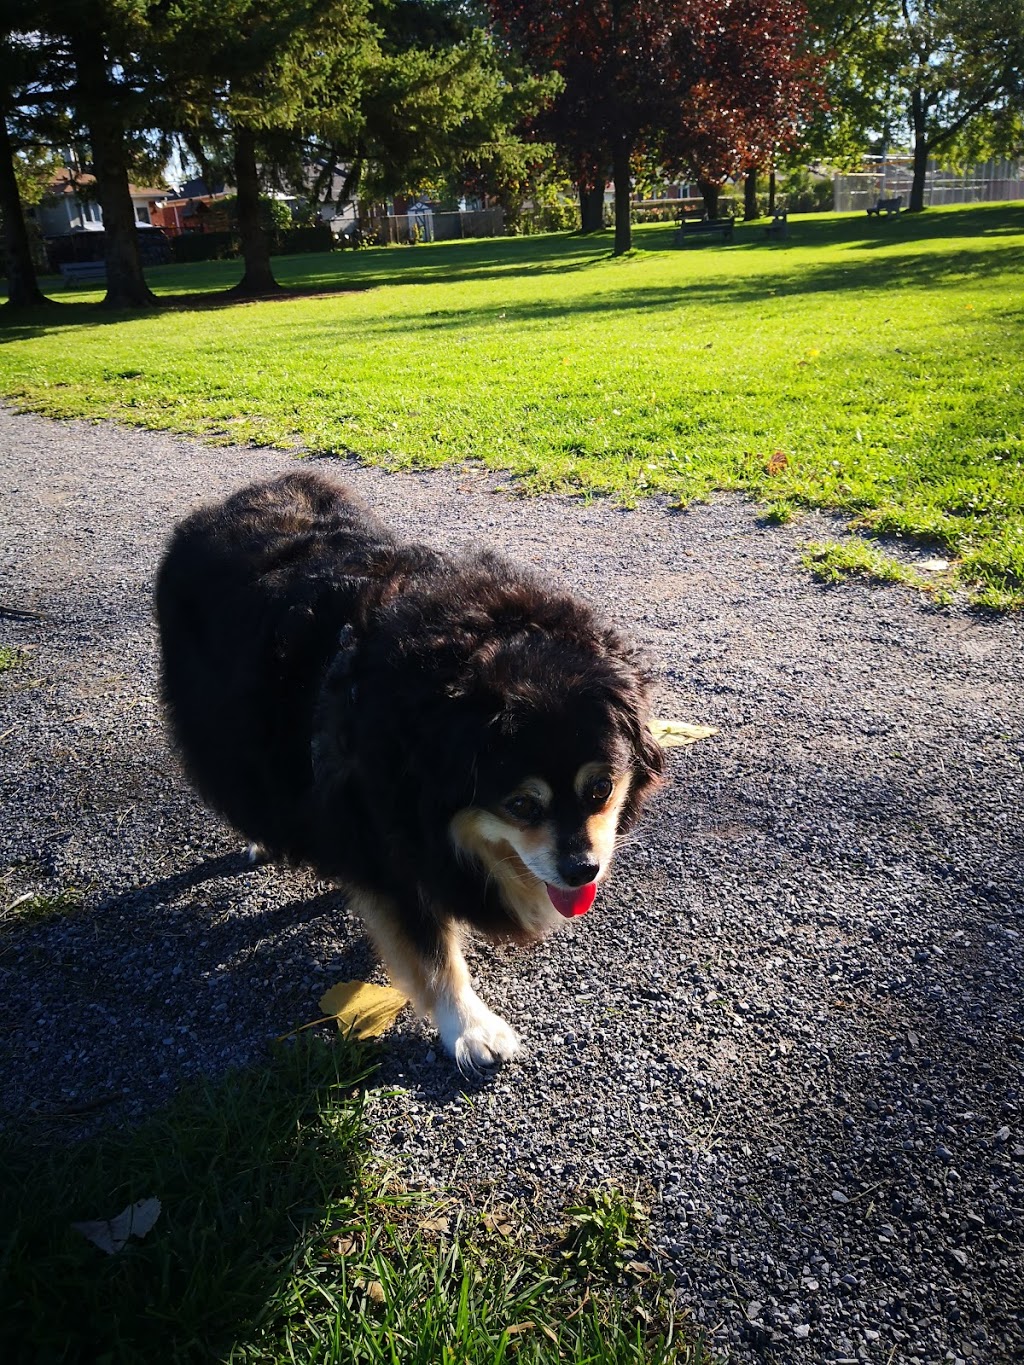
(561, 759)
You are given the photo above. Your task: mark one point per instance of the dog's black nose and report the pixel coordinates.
(576, 869)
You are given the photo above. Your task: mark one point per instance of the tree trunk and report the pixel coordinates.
(709, 193)
(623, 182)
(100, 110)
(919, 113)
(258, 277)
(22, 286)
(591, 208)
(771, 190)
(750, 195)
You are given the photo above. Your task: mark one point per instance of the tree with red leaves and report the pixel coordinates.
(701, 84)
(760, 82)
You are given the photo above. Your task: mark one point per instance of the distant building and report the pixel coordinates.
(70, 204)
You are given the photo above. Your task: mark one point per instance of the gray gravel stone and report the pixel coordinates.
(804, 977)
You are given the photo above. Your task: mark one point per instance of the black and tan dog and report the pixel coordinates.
(446, 738)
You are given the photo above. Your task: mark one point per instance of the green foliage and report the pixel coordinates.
(275, 216)
(883, 360)
(10, 659)
(31, 906)
(204, 246)
(947, 75)
(801, 192)
(604, 1231)
(836, 561)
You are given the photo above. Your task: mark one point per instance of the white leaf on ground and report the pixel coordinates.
(110, 1234)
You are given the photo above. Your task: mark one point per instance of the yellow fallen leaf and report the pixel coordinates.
(672, 733)
(362, 1009)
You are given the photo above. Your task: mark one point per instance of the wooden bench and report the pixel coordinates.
(84, 272)
(702, 227)
(779, 226)
(886, 206)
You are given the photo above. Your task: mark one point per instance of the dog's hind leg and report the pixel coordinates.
(436, 979)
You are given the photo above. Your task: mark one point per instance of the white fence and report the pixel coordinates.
(990, 183)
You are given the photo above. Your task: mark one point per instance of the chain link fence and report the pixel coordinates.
(992, 182)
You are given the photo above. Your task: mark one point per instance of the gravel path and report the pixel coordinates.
(795, 1015)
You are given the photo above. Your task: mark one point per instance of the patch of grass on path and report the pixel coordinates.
(278, 1241)
(875, 367)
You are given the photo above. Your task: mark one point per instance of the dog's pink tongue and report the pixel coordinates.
(572, 903)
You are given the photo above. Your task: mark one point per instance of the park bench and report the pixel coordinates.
(84, 272)
(702, 227)
(779, 226)
(886, 206)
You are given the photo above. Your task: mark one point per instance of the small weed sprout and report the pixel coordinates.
(604, 1231)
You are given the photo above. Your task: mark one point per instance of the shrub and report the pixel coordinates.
(204, 246)
(319, 238)
(803, 192)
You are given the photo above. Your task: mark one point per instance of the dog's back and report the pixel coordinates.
(251, 598)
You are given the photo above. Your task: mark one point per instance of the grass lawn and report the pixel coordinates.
(875, 366)
(278, 1241)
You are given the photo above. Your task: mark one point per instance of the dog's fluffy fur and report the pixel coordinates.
(444, 737)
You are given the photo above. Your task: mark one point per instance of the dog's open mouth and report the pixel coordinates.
(572, 903)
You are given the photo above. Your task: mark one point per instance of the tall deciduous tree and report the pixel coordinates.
(621, 62)
(694, 81)
(758, 85)
(959, 59)
(943, 75)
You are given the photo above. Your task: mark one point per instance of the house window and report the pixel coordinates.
(91, 212)
(142, 214)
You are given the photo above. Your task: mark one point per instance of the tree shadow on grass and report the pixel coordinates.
(938, 270)
(243, 1169)
(328, 275)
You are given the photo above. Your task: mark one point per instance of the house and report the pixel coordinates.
(70, 204)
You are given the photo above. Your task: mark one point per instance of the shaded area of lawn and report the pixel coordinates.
(277, 1241)
(874, 365)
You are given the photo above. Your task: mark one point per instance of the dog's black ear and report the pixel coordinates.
(648, 755)
(628, 697)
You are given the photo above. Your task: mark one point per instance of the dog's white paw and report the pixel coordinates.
(475, 1036)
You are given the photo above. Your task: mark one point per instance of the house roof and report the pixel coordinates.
(67, 181)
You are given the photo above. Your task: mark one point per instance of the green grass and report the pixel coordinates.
(876, 367)
(280, 1240)
(36, 905)
(10, 659)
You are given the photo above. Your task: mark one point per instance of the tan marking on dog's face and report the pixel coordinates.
(603, 825)
(493, 842)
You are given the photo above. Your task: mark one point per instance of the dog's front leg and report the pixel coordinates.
(471, 1033)
(432, 971)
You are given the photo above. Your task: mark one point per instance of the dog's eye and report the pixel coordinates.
(601, 790)
(524, 808)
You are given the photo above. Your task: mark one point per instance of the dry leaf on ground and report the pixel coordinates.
(778, 461)
(436, 1225)
(672, 733)
(362, 1009)
(110, 1234)
(373, 1289)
